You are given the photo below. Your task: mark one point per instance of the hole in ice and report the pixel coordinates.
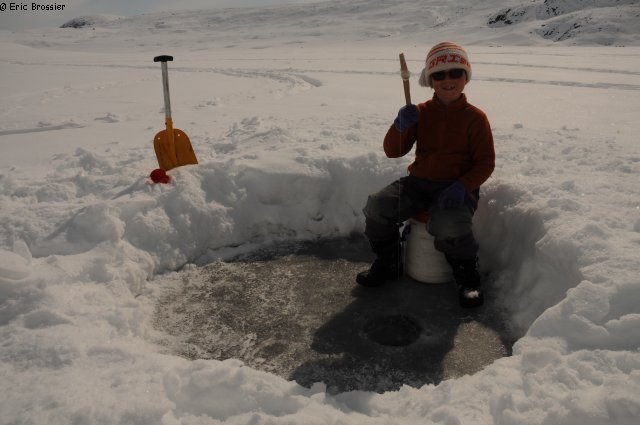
(396, 330)
(295, 310)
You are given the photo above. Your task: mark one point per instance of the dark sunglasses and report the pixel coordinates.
(453, 74)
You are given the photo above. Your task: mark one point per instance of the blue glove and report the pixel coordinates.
(407, 116)
(452, 196)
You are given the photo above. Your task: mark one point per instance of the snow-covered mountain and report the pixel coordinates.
(575, 22)
(605, 22)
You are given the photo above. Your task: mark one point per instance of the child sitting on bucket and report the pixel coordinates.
(454, 156)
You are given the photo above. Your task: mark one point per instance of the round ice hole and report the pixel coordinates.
(397, 331)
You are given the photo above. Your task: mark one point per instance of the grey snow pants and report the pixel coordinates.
(451, 228)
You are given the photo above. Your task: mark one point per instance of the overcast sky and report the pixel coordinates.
(24, 19)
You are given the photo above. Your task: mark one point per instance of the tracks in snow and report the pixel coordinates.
(296, 77)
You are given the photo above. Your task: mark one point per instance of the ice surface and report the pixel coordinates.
(293, 310)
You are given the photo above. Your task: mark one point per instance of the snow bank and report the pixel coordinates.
(205, 208)
(123, 238)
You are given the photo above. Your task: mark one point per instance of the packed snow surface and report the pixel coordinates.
(286, 108)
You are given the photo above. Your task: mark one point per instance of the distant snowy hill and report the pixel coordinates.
(582, 22)
(579, 21)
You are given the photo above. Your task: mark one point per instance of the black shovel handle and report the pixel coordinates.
(163, 58)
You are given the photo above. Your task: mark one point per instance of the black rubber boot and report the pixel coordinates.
(465, 272)
(386, 268)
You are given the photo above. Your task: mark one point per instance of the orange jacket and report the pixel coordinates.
(454, 143)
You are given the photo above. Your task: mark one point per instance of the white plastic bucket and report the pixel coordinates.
(422, 261)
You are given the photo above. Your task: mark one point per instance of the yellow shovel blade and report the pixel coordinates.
(173, 153)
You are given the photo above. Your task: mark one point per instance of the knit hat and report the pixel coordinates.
(442, 57)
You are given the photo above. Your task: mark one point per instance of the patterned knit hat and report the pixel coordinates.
(442, 57)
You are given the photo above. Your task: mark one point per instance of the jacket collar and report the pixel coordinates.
(455, 106)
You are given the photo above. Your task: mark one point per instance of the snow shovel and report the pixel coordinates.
(405, 74)
(173, 147)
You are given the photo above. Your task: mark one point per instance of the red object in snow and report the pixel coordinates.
(160, 176)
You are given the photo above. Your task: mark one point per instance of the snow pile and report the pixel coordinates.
(288, 132)
(206, 208)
